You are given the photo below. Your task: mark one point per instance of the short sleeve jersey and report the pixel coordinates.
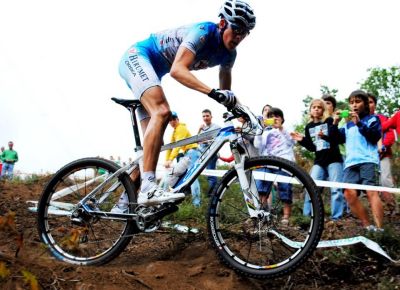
(203, 39)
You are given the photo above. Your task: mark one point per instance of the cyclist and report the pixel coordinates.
(178, 51)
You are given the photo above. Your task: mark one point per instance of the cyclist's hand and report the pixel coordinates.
(224, 97)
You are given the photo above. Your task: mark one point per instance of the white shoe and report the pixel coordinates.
(118, 209)
(122, 205)
(157, 195)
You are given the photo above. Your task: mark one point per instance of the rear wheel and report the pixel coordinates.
(71, 233)
(265, 246)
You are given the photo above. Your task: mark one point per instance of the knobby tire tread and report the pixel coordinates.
(319, 220)
(69, 168)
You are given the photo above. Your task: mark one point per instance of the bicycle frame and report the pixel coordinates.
(79, 205)
(226, 134)
(223, 135)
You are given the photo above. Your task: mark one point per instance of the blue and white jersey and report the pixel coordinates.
(361, 141)
(203, 39)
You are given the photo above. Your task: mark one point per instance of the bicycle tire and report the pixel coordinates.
(252, 247)
(95, 241)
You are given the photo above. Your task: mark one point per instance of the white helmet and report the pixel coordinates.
(238, 13)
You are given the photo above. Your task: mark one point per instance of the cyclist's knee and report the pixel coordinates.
(162, 113)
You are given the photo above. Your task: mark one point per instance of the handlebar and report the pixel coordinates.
(253, 123)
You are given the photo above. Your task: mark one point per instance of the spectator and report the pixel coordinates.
(330, 104)
(8, 157)
(385, 155)
(1, 160)
(361, 135)
(265, 112)
(393, 123)
(118, 161)
(328, 163)
(207, 126)
(276, 141)
(181, 132)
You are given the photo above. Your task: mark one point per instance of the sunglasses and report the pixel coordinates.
(239, 31)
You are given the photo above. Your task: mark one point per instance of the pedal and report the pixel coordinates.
(149, 218)
(161, 212)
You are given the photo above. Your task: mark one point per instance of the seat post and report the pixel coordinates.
(135, 129)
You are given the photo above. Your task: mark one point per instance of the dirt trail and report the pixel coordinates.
(167, 260)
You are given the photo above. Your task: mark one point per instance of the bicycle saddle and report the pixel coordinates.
(127, 103)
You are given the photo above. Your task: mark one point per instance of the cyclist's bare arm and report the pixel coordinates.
(180, 70)
(225, 78)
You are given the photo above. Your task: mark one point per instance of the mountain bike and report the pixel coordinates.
(77, 224)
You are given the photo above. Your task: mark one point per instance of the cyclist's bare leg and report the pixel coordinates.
(156, 105)
(153, 129)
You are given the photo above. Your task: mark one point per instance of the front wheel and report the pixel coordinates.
(268, 245)
(74, 235)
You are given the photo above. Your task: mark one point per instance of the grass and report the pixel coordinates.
(188, 212)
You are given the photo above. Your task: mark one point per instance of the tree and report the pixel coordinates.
(384, 83)
(325, 90)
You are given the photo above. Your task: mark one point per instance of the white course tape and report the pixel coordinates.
(180, 228)
(339, 243)
(61, 208)
(74, 188)
(321, 183)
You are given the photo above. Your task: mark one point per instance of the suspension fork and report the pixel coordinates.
(247, 183)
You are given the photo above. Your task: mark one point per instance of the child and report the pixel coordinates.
(265, 111)
(328, 163)
(361, 134)
(276, 141)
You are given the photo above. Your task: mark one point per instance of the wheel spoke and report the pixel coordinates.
(248, 244)
(80, 237)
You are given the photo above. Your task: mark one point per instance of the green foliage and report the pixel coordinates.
(387, 283)
(32, 179)
(29, 179)
(189, 212)
(389, 240)
(384, 83)
(306, 101)
(338, 256)
(396, 165)
(342, 105)
(325, 90)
